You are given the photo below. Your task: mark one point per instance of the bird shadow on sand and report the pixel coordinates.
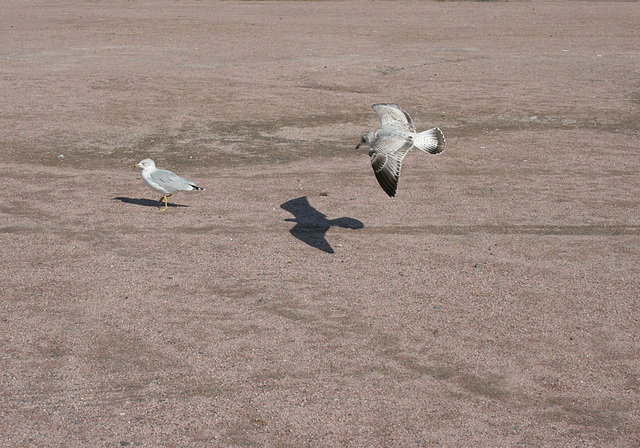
(145, 202)
(311, 225)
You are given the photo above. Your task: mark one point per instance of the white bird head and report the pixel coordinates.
(146, 163)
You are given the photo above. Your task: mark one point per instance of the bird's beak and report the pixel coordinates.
(358, 146)
(137, 165)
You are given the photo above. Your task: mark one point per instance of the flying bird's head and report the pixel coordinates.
(367, 139)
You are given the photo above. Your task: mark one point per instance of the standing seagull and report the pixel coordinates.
(391, 143)
(164, 181)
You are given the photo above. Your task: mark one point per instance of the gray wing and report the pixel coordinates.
(386, 159)
(171, 181)
(392, 115)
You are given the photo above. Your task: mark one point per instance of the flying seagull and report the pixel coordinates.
(390, 144)
(164, 181)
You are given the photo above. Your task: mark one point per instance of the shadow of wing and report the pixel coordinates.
(312, 236)
(305, 213)
(311, 225)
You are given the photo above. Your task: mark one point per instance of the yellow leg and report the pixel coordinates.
(164, 199)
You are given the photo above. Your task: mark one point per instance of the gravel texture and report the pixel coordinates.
(494, 302)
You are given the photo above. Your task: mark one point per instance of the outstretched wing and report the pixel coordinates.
(392, 115)
(386, 159)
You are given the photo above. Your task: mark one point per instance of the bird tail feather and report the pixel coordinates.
(431, 141)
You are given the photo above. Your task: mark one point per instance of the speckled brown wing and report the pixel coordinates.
(392, 116)
(386, 159)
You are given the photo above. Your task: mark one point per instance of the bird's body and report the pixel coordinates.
(390, 144)
(164, 181)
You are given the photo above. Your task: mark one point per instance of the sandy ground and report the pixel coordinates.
(494, 302)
